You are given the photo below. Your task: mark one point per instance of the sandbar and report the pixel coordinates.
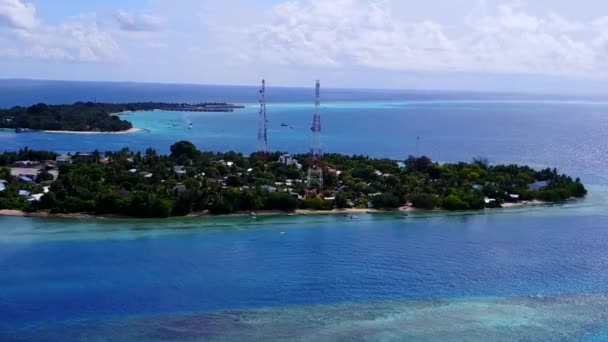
(128, 131)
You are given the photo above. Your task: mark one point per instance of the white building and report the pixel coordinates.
(288, 159)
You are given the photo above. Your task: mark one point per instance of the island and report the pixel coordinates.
(192, 182)
(91, 116)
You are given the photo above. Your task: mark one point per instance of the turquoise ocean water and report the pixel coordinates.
(537, 273)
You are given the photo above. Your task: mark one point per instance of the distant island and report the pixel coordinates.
(91, 116)
(192, 182)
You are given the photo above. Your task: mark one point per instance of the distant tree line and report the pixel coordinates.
(81, 116)
(8, 158)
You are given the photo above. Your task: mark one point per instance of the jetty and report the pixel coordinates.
(203, 107)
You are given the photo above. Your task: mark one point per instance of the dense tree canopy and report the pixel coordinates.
(188, 180)
(77, 117)
(184, 150)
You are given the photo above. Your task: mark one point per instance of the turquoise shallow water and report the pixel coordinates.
(565, 134)
(537, 273)
(481, 319)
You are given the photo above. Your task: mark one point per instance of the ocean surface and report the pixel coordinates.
(529, 274)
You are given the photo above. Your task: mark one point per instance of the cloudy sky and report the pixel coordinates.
(526, 45)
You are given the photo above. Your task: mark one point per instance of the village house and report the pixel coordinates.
(84, 157)
(180, 171)
(35, 198)
(63, 160)
(28, 175)
(287, 159)
(269, 188)
(25, 164)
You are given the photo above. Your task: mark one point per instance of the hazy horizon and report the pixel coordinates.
(304, 87)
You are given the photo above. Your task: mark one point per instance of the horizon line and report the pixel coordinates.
(377, 89)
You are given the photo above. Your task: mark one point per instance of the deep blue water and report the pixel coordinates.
(28, 92)
(76, 278)
(538, 273)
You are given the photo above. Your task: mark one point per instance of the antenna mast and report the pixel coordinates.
(315, 170)
(262, 124)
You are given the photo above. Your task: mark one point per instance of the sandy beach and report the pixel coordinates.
(45, 214)
(129, 131)
(8, 212)
(522, 204)
(299, 212)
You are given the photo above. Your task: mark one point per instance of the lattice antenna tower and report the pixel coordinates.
(263, 124)
(315, 170)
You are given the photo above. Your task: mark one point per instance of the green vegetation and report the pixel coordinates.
(188, 180)
(7, 158)
(77, 117)
(88, 116)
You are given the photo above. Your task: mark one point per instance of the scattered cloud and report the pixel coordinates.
(18, 15)
(133, 22)
(76, 39)
(502, 39)
(283, 38)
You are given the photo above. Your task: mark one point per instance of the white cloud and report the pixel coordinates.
(511, 19)
(502, 39)
(208, 40)
(76, 39)
(18, 15)
(129, 21)
(558, 23)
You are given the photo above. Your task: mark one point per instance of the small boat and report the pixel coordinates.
(252, 215)
(283, 233)
(354, 217)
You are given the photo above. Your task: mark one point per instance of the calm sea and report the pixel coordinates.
(526, 274)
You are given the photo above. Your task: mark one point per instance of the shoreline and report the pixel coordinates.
(129, 131)
(261, 213)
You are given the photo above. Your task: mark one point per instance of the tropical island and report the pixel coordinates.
(189, 181)
(91, 116)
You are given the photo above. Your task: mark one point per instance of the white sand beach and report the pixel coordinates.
(129, 131)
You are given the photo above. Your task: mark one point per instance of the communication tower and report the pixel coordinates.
(263, 124)
(315, 169)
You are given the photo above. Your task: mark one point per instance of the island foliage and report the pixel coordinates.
(89, 116)
(148, 184)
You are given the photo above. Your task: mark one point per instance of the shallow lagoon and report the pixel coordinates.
(564, 134)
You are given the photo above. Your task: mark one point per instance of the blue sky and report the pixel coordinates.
(529, 46)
